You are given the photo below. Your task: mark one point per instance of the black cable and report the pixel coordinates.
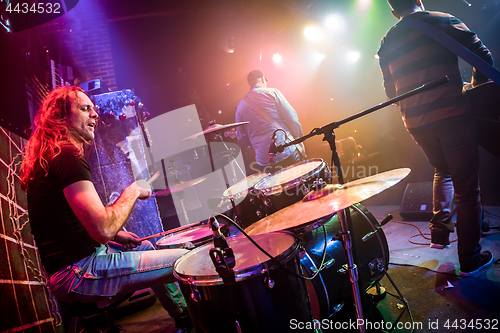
(276, 260)
(401, 298)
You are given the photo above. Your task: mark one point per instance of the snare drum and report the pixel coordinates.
(289, 185)
(264, 298)
(249, 208)
(331, 288)
(187, 237)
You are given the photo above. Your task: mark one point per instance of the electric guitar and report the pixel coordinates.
(485, 102)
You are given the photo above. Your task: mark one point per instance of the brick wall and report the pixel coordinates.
(25, 303)
(83, 31)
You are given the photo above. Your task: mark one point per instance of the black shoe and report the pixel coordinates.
(183, 322)
(440, 240)
(485, 260)
(485, 225)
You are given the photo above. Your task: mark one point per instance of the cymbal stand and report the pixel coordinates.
(179, 194)
(232, 161)
(344, 215)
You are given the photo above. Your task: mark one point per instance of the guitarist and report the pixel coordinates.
(270, 116)
(440, 121)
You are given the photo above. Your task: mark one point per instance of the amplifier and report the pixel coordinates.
(417, 202)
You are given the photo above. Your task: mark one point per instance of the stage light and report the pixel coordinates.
(277, 58)
(319, 56)
(353, 56)
(334, 22)
(312, 33)
(364, 4)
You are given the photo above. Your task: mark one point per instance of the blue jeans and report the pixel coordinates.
(110, 272)
(452, 148)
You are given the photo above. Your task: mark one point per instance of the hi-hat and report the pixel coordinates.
(179, 187)
(214, 128)
(326, 201)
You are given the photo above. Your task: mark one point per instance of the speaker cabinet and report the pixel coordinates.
(417, 202)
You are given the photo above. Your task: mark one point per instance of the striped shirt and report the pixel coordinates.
(409, 58)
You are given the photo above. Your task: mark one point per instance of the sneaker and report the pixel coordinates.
(485, 225)
(485, 260)
(183, 322)
(440, 240)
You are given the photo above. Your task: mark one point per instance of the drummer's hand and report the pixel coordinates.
(144, 188)
(127, 239)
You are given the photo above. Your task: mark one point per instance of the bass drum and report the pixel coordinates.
(263, 298)
(332, 287)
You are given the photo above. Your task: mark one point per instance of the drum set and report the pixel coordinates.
(289, 257)
(303, 247)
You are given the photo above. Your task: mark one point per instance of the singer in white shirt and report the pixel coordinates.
(266, 110)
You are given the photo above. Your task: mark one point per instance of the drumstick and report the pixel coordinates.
(171, 231)
(155, 235)
(153, 177)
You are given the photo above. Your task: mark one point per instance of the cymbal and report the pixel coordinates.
(179, 187)
(214, 128)
(330, 199)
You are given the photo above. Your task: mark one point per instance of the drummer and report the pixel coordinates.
(71, 226)
(268, 112)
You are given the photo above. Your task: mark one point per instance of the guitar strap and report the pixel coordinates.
(454, 46)
(273, 123)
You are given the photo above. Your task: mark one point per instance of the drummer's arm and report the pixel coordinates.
(102, 223)
(128, 240)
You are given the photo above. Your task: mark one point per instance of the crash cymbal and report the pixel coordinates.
(330, 199)
(179, 187)
(215, 127)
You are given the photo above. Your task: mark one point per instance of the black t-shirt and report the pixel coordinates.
(59, 235)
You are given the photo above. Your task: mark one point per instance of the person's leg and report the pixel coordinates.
(169, 294)
(459, 142)
(107, 274)
(440, 224)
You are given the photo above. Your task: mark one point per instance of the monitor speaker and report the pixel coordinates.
(417, 202)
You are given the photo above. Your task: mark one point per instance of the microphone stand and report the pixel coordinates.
(345, 215)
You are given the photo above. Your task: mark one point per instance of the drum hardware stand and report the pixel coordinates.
(195, 294)
(231, 160)
(400, 297)
(344, 215)
(180, 194)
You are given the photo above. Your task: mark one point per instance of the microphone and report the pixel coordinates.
(271, 157)
(372, 233)
(222, 255)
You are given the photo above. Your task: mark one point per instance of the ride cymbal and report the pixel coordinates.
(215, 128)
(326, 201)
(178, 187)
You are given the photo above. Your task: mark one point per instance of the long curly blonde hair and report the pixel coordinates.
(50, 133)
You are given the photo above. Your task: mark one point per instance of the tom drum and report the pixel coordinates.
(264, 298)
